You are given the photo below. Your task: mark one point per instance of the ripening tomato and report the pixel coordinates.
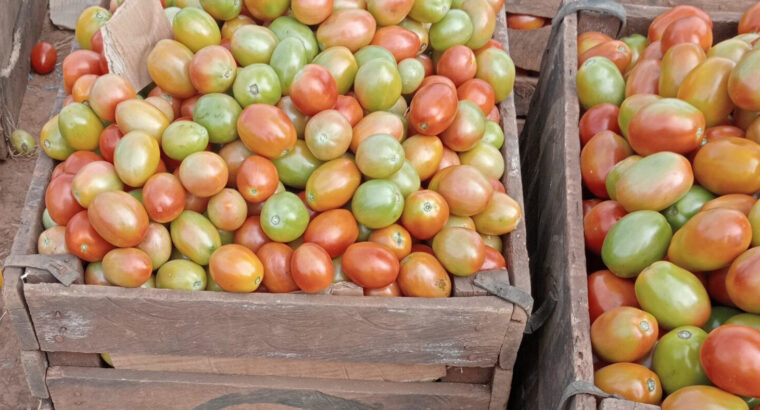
(742, 87)
(710, 240)
(589, 204)
(674, 296)
(644, 78)
(720, 132)
(706, 88)
(163, 197)
(458, 63)
(395, 238)
(88, 23)
(351, 28)
(311, 12)
(80, 126)
(740, 202)
(731, 358)
(635, 242)
(616, 51)
(77, 160)
(60, 201)
(52, 241)
(631, 106)
(257, 179)
(275, 258)
(743, 281)
(312, 268)
(328, 135)
(212, 69)
(370, 265)
(716, 288)
(662, 22)
(157, 244)
(599, 81)
(251, 234)
(466, 190)
(591, 39)
(460, 250)
(44, 57)
(136, 158)
(108, 141)
(501, 216)
(624, 334)
(391, 290)
(195, 28)
(598, 221)
(750, 21)
(333, 230)
(77, 64)
(378, 85)
(668, 124)
(378, 122)
(688, 30)
(227, 210)
(236, 268)
(284, 217)
(677, 63)
(119, 218)
(127, 267)
(92, 179)
(606, 291)
(601, 117)
(234, 153)
(266, 130)
(599, 156)
(168, 65)
(332, 184)
(433, 109)
(630, 381)
(107, 92)
(83, 241)
(729, 166)
(524, 21)
(705, 397)
(425, 214)
(655, 182)
(80, 92)
(203, 173)
(402, 43)
(313, 89)
(424, 153)
(479, 92)
(94, 275)
(421, 275)
(139, 115)
(467, 129)
(195, 236)
(350, 108)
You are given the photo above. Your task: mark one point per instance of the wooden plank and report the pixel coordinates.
(74, 359)
(64, 13)
(279, 367)
(615, 404)
(463, 286)
(501, 384)
(520, 124)
(16, 309)
(525, 86)
(35, 367)
(90, 388)
(472, 375)
(88, 319)
(543, 8)
(526, 47)
(20, 27)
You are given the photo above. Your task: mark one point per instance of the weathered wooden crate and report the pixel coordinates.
(209, 350)
(560, 352)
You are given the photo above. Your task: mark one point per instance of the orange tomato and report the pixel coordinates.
(311, 268)
(266, 130)
(275, 258)
(236, 268)
(333, 230)
(421, 275)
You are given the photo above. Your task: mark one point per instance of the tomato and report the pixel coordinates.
(719, 316)
(333, 230)
(706, 397)
(455, 28)
(127, 267)
(501, 216)
(466, 190)
(350, 108)
(163, 197)
(660, 24)
(377, 203)
(732, 49)
(314, 89)
(425, 214)
(742, 87)
(379, 122)
(227, 210)
(195, 236)
(677, 63)
(80, 92)
(429, 11)
(351, 28)
(181, 274)
(119, 218)
(433, 109)
(60, 201)
(688, 206)
(236, 268)
(666, 125)
(635, 242)
(136, 158)
(598, 221)
(524, 21)
(373, 52)
(655, 182)
(727, 166)
(705, 87)
(598, 157)
(750, 21)
(602, 117)
(402, 43)
(740, 202)
(92, 179)
(460, 250)
(52, 241)
(157, 244)
(676, 358)
(256, 83)
(616, 51)
(731, 358)
(328, 135)
(275, 258)
(77, 64)
(94, 275)
(266, 130)
(391, 290)
(44, 56)
(672, 295)
(80, 127)
(421, 275)
(168, 65)
(212, 69)
(606, 291)
(754, 219)
(332, 184)
(590, 39)
(257, 179)
(394, 237)
(311, 268)
(370, 265)
(742, 281)
(107, 92)
(389, 12)
(285, 27)
(599, 81)
(295, 167)
(83, 241)
(630, 381)
(710, 240)
(644, 78)
(251, 44)
(637, 43)
(623, 334)
(377, 85)
(379, 156)
(745, 319)
(688, 30)
(630, 107)
(479, 92)
(182, 138)
(652, 52)
(195, 28)
(284, 217)
(720, 132)
(716, 288)
(341, 64)
(88, 24)
(52, 142)
(232, 24)
(616, 172)
(311, 12)
(424, 153)
(139, 115)
(251, 234)
(497, 69)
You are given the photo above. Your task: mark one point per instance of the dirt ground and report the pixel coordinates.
(15, 174)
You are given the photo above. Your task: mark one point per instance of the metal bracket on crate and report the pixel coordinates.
(64, 268)
(582, 387)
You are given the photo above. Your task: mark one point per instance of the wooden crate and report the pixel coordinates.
(207, 349)
(561, 351)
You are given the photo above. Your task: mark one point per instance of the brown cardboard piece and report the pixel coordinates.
(129, 37)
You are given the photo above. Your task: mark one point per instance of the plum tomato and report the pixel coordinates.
(236, 268)
(624, 334)
(370, 265)
(606, 291)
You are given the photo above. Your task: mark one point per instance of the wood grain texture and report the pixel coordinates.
(35, 367)
(453, 331)
(615, 404)
(543, 8)
(526, 47)
(472, 375)
(91, 388)
(74, 359)
(16, 309)
(20, 27)
(278, 367)
(501, 384)
(525, 87)
(65, 13)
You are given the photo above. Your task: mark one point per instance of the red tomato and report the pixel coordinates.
(109, 139)
(598, 221)
(194, 203)
(163, 197)
(601, 117)
(81, 89)
(479, 92)
(275, 257)
(350, 108)
(433, 108)
(524, 21)
(630, 381)
(77, 64)
(44, 57)
(107, 92)
(740, 202)
(236, 268)
(643, 78)
(591, 39)
(257, 179)
(598, 157)
(458, 64)
(127, 267)
(607, 291)
(78, 160)
(750, 21)
(425, 213)
(386, 291)
(370, 265)
(494, 260)
(402, 43)
(267, 130)
(743, 281)
(616, 51)
(83, 241)
(589, 204)
(421, 275)
(716, 287)
(663, 21)
(251, 234)
(333, 230)
(623, 334)
(314, 89)
(395, 238)
(119, 218)
(311, 268)
(59, 200)
(688, 30)
(730, 357)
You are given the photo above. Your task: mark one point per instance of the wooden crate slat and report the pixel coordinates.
(454, 331)
(275, 367)
(35, 367)
(74, 359)
(615, 404)
(89, 388)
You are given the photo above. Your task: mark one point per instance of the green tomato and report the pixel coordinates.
(676, 358)
(253, 45)
(486, 158)
(80, 127)
(745, 319)
(371, 52)
(379, 156)
(377, 85)
(295, 167)
(406, 179)
(599, 81)
(377, 203)
(637, 43)
(222, 9)
(454, 29)
(420, 30)
(53, 143)
(497, 69)
(341, 64)
(686, 207)
(218, 113)
(718, 317)
(47, 221)
(288, 58)
(227, 237)
(257, 84)
(673, 295)
(493, 134)
(195, 29)
(636, 241)
(288, 27)
(284, 217)
(483, 22)
(412, 73)
(429, 11)
(195, 236)
(181, 275)
(182, 138)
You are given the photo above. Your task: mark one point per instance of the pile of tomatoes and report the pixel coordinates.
(671, 164)
(287, 145)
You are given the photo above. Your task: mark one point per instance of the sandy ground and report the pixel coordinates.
(15, 175)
